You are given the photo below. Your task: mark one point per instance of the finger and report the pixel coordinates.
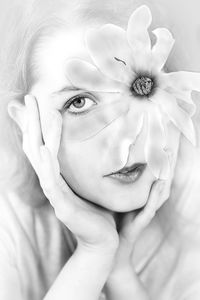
(34, 134)
(64, 203)
(154, 197)
(56, 189)
(81, 217)
(53, 137)
(147, 214)
(49, 181)
(28, 151)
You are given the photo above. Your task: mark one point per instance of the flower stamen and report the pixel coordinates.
(118, 59)
(142, 86)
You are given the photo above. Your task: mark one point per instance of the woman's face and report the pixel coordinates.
(89, 151)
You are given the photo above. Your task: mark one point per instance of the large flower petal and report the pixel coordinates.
(110, 51)
(137, 33)
(125, 131)
(163, 47)
(179, 94)
(181, 80)
(102, 118)
(184, 99)
(86, 76)
(176, 114)
(156, 156)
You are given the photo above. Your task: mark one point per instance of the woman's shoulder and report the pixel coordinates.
(15, 213)
(26, 225)
(170, 269)
(30, 238)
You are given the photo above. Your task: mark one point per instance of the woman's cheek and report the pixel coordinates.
(79, 162)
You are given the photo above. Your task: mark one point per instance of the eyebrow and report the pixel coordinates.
(66, 89)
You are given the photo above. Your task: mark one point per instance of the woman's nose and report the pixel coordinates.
(123, 136)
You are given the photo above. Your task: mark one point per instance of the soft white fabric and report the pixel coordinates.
(167, 257)
(34, 246)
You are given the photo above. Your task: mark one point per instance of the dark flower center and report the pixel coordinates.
(142, 86)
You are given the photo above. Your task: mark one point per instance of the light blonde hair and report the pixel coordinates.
(24, 24)
(28, 22)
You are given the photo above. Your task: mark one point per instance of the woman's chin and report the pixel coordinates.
(119, 203)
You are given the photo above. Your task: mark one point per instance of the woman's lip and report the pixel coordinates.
(128, 169)
(128, 174)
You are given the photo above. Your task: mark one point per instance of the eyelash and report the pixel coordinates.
(75, 98)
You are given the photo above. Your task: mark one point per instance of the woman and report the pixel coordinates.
(103, 160)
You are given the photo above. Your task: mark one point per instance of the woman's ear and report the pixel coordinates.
(17, 112)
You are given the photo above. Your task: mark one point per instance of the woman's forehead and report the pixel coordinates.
(52, 53)
(53, 50)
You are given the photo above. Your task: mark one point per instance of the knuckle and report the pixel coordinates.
(62, 214)
(59, 214)
(112, 240)
(64, 211)
(47, 187)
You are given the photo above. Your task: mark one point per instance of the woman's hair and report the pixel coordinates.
(24, 24)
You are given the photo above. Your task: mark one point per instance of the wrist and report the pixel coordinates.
(123, 271)
(102, 258)
(105, 249)
(124, 283)
(84, 274)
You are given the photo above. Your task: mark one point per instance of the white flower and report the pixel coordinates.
(126, 62)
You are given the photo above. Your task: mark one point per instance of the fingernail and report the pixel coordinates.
(26, 99)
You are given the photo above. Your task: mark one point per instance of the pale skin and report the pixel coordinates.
(103, 255)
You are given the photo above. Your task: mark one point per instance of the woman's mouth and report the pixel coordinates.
(128, 174)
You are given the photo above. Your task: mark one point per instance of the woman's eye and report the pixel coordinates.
(79, 104)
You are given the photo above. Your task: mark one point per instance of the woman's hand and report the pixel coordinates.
(132, 224)
(93, 226)
(123, 282)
